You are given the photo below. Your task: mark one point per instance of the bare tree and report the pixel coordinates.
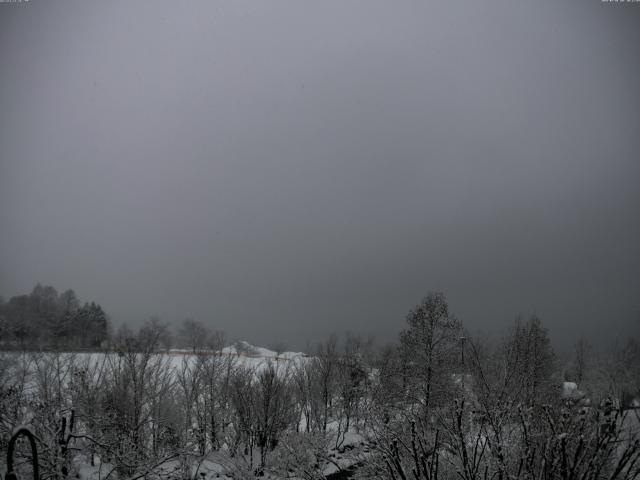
(431, 342)
(352, 378)
(582, 359)
(325, 368)
(139, 400)
(194, 334)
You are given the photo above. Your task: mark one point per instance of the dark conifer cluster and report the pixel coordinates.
(45, 319)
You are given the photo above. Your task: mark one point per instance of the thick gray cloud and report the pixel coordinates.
(285, 169)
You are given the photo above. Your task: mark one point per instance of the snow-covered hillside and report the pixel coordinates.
(244, 354)
(244, 348)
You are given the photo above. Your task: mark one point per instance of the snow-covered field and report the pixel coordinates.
(242, 353)
(247, 355)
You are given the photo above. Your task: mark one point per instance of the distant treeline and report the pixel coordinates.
(45, 319)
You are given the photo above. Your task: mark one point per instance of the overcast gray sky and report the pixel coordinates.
(285, 169)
